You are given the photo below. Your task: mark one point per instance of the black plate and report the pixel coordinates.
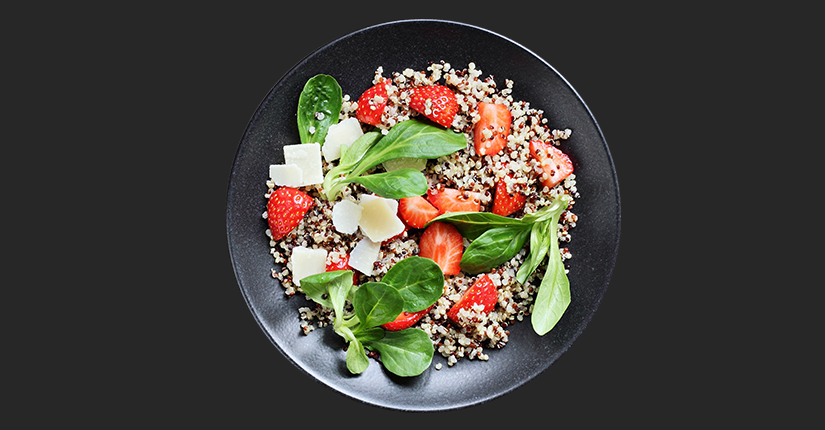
(352, 60)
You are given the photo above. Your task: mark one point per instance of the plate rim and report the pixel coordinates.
(229, 212)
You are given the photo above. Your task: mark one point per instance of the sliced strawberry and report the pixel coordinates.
(453, 200)
(436, 102)
(505, 202)
(285, 210)
(482, 292)
(555, 164)
(442, 243)
(416, 211)
(405, 320)
(342, 264)
(491, 131)
(371, 104)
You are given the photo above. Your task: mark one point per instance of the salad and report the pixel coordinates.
(426, 216)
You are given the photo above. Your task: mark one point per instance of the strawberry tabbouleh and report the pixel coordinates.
(464, 330)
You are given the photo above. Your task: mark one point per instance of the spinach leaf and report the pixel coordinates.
(419, 280)
(394, 185)
(407, 352)
(318, 107)
(316, 287)
(553, 297)
(472, 224)
(377, 303)
(357, 361)
(493, 248)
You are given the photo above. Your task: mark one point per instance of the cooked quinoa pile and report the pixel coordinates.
(462, 170)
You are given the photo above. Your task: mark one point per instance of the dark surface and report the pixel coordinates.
(126, 124)
(352, 60)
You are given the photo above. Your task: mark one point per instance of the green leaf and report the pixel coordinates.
(357, 361)
(377, 303)
(540, 238)
(338, 290)
(556, 207)
(318, 107)
(405, 353)
(493, 248)
(350, 156)
(407, 139)
(394, 185)
(316, 287)
(369, 334)
(419, 280)
(353, 153)
(543, 236)
(472, 224)
(553, 297)
(412, 139)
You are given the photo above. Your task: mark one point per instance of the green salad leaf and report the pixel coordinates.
(357, 360)
(473, 224)
(553, 297)
(496, 239)
(419, 280)
(318, 108)
(493, 248)
(544, 235)
(413, 283)
(408, 139)
(377, 303)
(316, 287)
(393, 185)
(412, 139)
(407, 352)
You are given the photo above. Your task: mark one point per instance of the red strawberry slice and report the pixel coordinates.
(491, 131)
(436, 102)
(453, 200)
(416, 211)
(555, 164)
(482, 292)
(504, 202)
(405, 320)
(371, 104)
(342, 264)
(285, 210)
(442, 243)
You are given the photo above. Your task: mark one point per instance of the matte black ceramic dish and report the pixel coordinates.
(352, 60)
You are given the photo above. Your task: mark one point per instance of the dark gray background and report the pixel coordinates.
(155, 99)
(624, 367)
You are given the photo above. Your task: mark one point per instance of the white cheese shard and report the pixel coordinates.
(364, 255)
(391, 203)
(286, 175)
(379, 221)
(306, 262)
(343, 133)
(346, 215)
(307, 157)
